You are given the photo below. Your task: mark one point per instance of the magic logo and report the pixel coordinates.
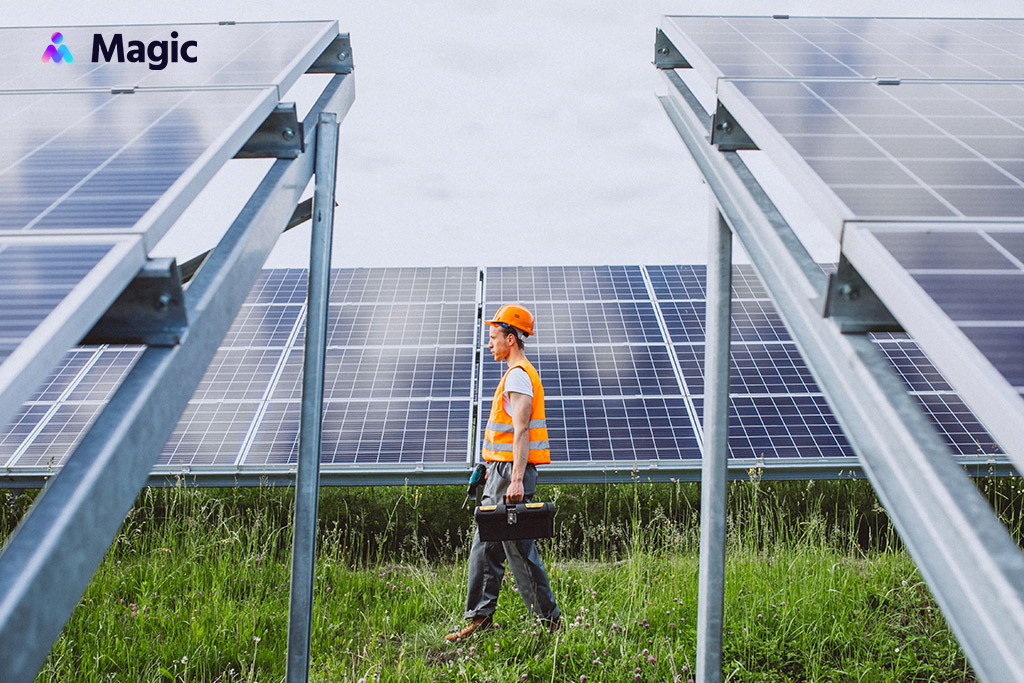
(156, 54)
(57, 52)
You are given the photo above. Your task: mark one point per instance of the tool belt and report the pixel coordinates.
(515, 521)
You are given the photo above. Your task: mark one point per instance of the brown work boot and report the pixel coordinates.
(471, 627)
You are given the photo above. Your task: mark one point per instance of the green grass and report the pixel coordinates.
(195, 588)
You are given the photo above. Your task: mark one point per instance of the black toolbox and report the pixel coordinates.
(515, 521)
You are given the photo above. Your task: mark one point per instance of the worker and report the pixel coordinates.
(515, 442)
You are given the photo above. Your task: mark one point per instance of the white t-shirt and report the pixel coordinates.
(519, 382)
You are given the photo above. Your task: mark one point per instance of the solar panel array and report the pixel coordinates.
(906, 136)
(407, 374)
(100, 159)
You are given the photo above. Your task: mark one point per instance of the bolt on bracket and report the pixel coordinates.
(278, 137)
(336, 59)
(853, 305)
(151, 309)
(726, 132)
(667, 55)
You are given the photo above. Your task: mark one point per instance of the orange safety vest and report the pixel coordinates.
(499, 432)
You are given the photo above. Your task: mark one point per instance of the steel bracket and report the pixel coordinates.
(853, 305)
(336, 59)
(667, 55)
(726, 132)
(279, 137)
(151, 309)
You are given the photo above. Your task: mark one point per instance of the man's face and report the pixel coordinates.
(497, 342)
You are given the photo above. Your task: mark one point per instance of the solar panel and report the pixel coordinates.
(408, 400)
(563, 283)
(906, 136)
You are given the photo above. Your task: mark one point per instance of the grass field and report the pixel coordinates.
(196, 589)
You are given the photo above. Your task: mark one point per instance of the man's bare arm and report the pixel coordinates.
(521, 406)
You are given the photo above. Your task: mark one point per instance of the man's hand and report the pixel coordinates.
(514, 492)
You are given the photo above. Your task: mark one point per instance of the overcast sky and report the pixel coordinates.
(473, 118)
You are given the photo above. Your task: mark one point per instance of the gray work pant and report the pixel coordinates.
(486, 558)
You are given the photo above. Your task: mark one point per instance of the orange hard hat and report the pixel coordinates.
(513, 315)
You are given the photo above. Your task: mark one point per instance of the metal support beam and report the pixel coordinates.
(974, 568)
(307, 480)
(52, 555)
(714, 464)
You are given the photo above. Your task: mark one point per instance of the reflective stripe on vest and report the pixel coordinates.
(499, 433)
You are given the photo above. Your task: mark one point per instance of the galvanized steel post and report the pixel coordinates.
(714, 474)
(307, 480)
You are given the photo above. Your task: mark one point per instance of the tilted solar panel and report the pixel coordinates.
(906, 137)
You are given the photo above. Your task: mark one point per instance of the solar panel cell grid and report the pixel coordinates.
(238, 375)
(104, 376)
(400, 324)
(683, 283)
(752, 321)
(618, 429)
(937, 142)
(209, 434)
(20, 428)
(590, 322)
(385, 373)
(280, 286)
(782, 427)
(596, 370)
(563, 283)
(263, 325)
(64, 374)
(59, 436)
(776, 368)
(392, 285)
(368, 433)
